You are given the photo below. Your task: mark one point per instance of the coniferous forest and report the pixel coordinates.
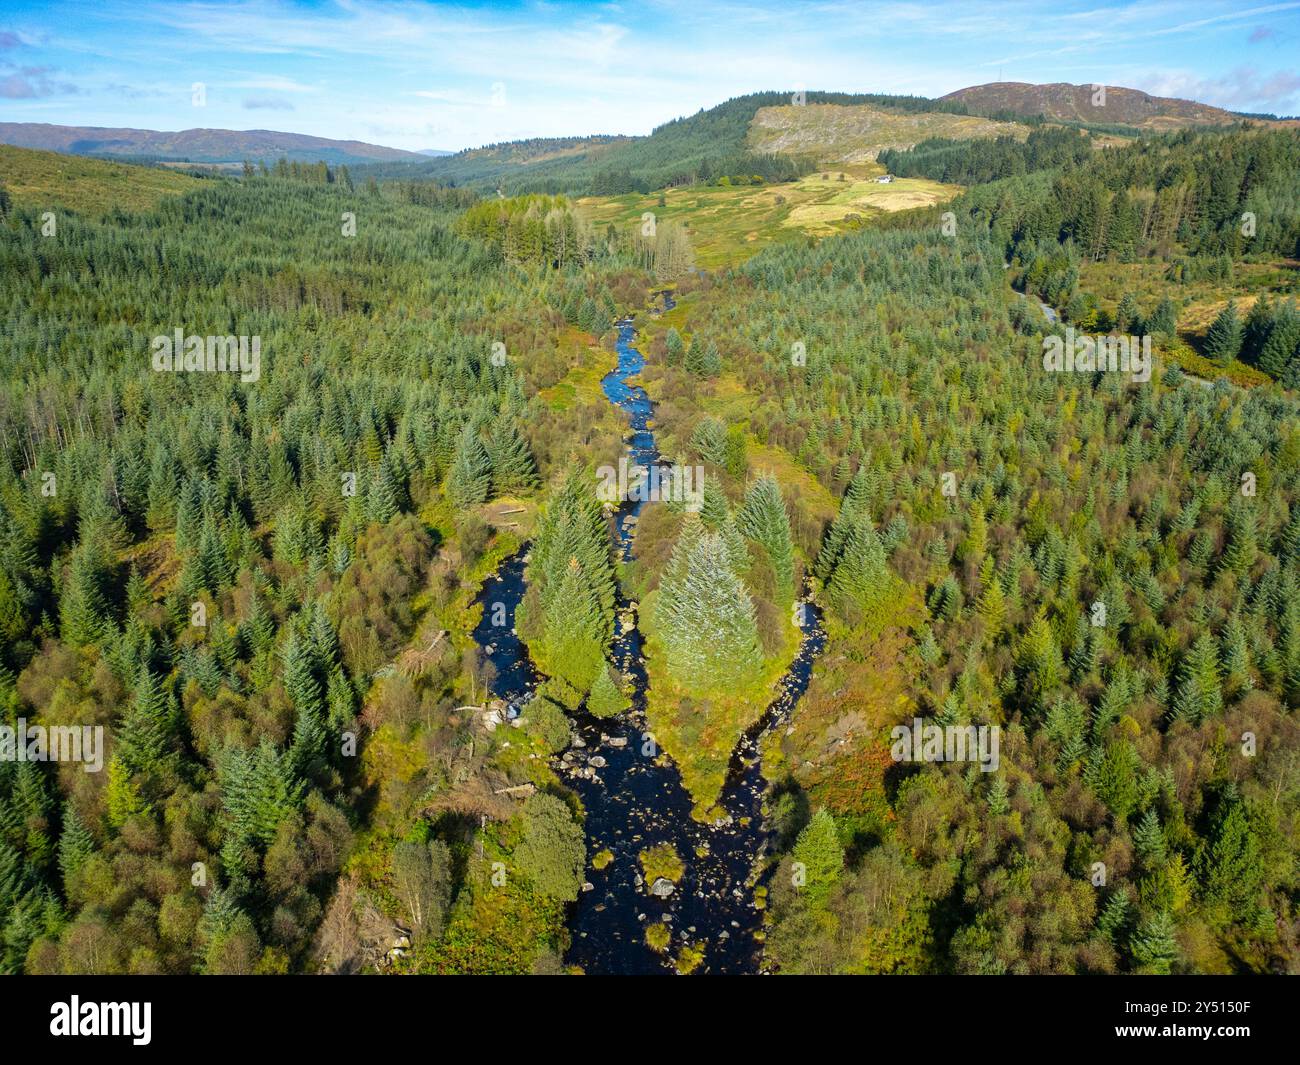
(901, 650)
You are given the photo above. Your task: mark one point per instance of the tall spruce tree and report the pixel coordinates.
(1224, 337)
(572, 570)
(469, 482)
(762, 517)
(513, 468)
(705, 617)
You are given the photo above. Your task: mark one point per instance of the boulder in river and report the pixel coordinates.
(662, 888)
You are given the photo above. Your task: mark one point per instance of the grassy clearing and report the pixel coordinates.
(1198, 366)
(831, 205)
(1198, 302)
(581, 384)
(727, 224)
(45, 180)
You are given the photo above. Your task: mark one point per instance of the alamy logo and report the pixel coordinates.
(1085, 354)
(55, 743)
(920, 742)
(103, 1018)
(179, 353)
(653, 484)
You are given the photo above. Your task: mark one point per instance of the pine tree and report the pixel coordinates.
(820, 857)
(1229, 861)
(860, 578)
(709, 440)
(1259, 322)
(674, 348)
(324, 640)
(1281, 342)
(1243, 539)
(573, 645)
(993, 609)
(1116, 917)
(1112, 773)
(714, 509)
(469, 481)
(706, 618)
(1128, 317)
(572, 570)
(259, 789)
(76, 844)
(606, 698)
(382, 495)
(83, 609)
(972, 549)
(1149, 840)
(1235, 654)
(341, 699)
(1164, 319)
(146, 735)
(855, 502)
(1289, 547)
(737, 549)
(999, 803)
(1040, 657)
(703, 359)
(1224, 337)
(1199, 694)
(212, 568)
(121, 795)
(1153, 946)
(513, 468)
(762, 517)
(260, 626)
(301, 682)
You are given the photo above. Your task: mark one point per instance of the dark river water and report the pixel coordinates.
(636, 799)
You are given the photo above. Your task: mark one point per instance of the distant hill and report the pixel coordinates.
(49, 179)
(1073, 103)
(433, 152)
(858, 133)
(536, 158)
(195, 145)
(711, 143)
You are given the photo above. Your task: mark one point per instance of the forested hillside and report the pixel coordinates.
(1160, 743)
(704, 147)
(1200, 218)
(223, 574)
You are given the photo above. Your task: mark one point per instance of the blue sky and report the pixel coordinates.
(436, 75)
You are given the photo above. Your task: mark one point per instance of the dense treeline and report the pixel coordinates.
(1193, 205)
(531, 229)
(1190, 191)
(977, 162)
